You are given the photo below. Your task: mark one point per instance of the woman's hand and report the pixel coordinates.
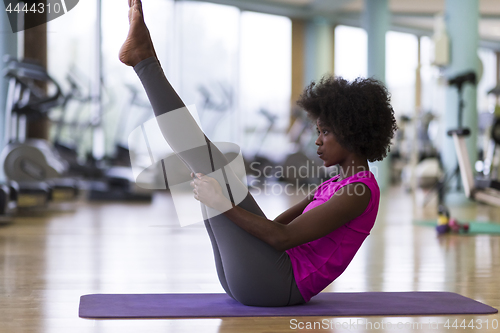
(208, 191)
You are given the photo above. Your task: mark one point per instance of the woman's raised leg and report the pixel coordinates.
(176, 123)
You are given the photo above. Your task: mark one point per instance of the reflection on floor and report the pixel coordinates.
(47, 262)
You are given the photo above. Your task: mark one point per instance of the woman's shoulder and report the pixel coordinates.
(332, 185)
(357, 183)
(365, 177)
(325, 185)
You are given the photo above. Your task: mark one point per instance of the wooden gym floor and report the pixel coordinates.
(48, 262)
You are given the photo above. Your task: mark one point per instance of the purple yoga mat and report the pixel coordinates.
(324, 304)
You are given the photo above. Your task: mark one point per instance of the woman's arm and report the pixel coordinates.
(314, 224)
(293, 212)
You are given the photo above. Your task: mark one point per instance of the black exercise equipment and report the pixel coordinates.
(457, 81)
(479, 189)
(32, 163)
(116, 181)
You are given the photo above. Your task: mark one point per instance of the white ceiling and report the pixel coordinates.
(415, 16)
(486, 7)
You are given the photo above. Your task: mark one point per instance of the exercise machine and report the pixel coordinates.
(459, 81)
(68, 148)
(479, 189)
(116, 181)
(475, 190)
(32, 163)
(490, 164)
(259, 164)
(217, 102)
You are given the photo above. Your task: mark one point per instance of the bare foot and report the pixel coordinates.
(138, 45)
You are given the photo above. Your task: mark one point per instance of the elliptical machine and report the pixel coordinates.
(479, 188)
(460, 132)
(32, 163)
(68, 150)
(116, 181)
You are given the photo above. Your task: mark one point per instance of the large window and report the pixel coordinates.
(401, 67)
(265, 80)
(206, 47)
(228, 63)
(72, 50)
(350, 52)
(433, 94)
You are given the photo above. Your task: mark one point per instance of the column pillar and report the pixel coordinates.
(376, 19)
(462, 22)
(298, 62)
(324, 48)
(35, 48)
(319, 50)
(312, 54)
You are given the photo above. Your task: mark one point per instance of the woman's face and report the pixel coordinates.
(329, 150)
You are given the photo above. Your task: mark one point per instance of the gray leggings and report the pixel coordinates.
(250, 271)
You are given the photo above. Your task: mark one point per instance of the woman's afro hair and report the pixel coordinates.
(358, 113)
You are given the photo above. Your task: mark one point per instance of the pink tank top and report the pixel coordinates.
(316, 264)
